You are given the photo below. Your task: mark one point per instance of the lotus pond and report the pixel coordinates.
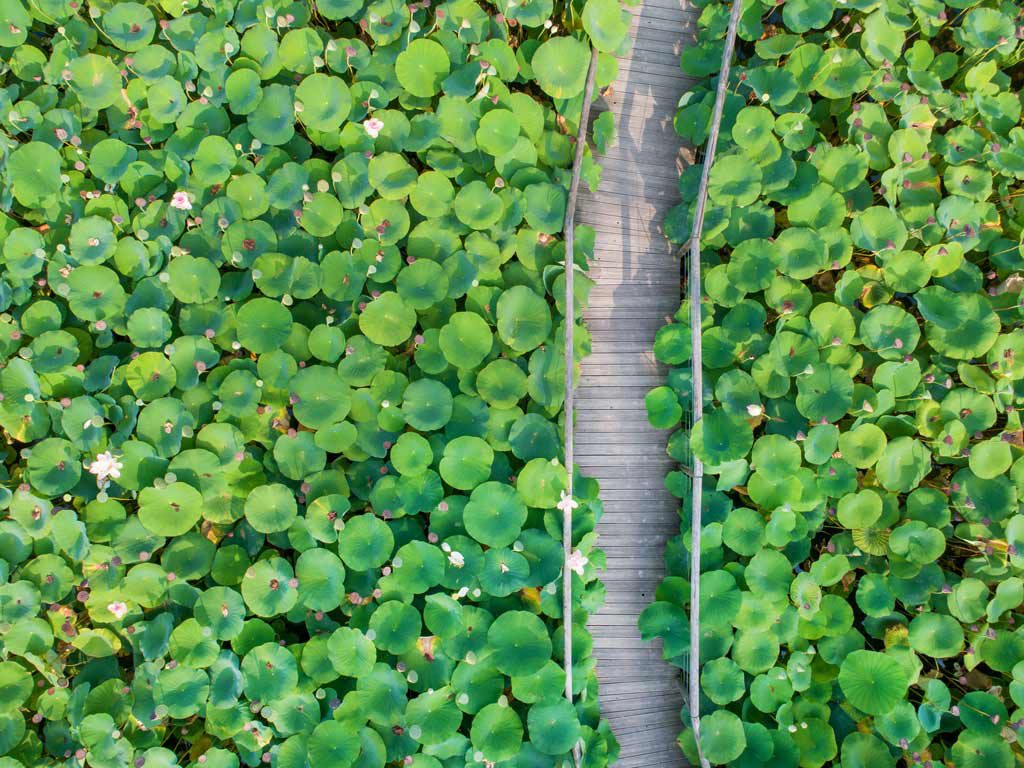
(862, 546)
(281, 363)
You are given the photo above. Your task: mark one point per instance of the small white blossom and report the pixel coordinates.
(567, 504)
(105, 466)
(755, 409)
(577, 561)
(118, 608)
(181, 201)
(373, 127)
(456, 559)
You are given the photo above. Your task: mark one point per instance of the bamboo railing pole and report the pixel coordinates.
(694, 286)
(570, 364)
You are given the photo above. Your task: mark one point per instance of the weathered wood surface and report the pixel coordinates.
(638, 287)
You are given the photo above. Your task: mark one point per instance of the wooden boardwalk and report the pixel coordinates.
(638, 287)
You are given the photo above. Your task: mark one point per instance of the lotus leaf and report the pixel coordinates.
(873, 682)
(560, 64)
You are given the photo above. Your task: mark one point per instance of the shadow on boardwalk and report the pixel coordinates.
(638, 287)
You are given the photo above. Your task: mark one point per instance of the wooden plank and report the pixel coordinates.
(637, 291)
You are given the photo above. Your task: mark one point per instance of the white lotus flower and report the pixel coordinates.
(577, 561)
(105, 466)
(567, 504)
(456, 559)
(181, 201)
(118, 608)
(755, 409)
(373, 127)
